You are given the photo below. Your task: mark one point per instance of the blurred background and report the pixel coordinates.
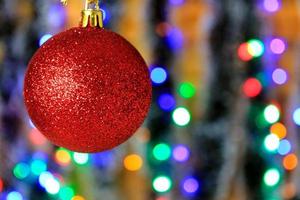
(225, 116)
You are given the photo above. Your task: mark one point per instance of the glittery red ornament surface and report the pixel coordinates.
(87, 89)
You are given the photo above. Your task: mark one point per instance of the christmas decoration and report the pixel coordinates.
(87, 89)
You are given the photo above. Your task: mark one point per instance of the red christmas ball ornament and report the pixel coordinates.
(87, 89)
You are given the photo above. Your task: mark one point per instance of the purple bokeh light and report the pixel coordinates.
(279, 76)
(277, 46)
(167, 102)
(271, 5)
(190, 185)
(181, 153)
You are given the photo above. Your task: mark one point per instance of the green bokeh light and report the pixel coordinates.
(187, 90)
(271, 177)
(271, 142)
(21, 171)
(162, 184)
(66, 193)
(162, 152)
(38, 166)
(256, 48)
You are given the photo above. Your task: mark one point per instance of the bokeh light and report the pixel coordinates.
(271, 114)
(162, 184)
(14, 195)
(133, 162)
(271, 5)
(21, 171)
(176, 2)
(45, 38)
(187, 90)
(296, 116)
(277, 46)
(284, 147)
(278, 129)
(272, 177)
(271, 142)
(181, 153)
(77, 197)
(63, 157)
(290, 162)
(81, 158)
(181, 116)
(161, 152)
(38, 166)
(158, 75)
(166, 102)
(256, 48)
(243, 52)
(252, 87)
(279, 76)
(190, 185)
(1, 185)
(66, 193)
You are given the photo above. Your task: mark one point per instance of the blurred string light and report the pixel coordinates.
(14, 195)
(252, 87)
(49, 182)
(161, 152)
(277, 46)
(77, 197)
(176, 2)
(187, 90)
(181, 116)
(181, 153)
(284, 147)
(66, 193)
(175, 39)
(271, 5)
(279, 129)
(56, 16)
(271, 114)
(271, 142)
(158, 75)
(190, 185)
(256, 48)
(133, 162)
(271, 177)
(80, 158)
(1, 185)
(21, 171)
(296, 116)
(279, 76)
(62, 157)
(243, 52)
(45, 38)
(38, 166)
(290, 162)
(167, 102)
(162, 184)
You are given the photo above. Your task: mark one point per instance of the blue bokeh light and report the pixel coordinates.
(158, 75)
(284, 147)
(296, 116)
(167, 102)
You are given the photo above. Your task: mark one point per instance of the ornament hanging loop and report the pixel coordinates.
(92, 15)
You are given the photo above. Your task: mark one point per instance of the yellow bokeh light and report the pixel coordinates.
(62, 157)
(133, 162)
(279, 129)
(78, 198)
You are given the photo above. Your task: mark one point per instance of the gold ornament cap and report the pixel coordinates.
(92, 15)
